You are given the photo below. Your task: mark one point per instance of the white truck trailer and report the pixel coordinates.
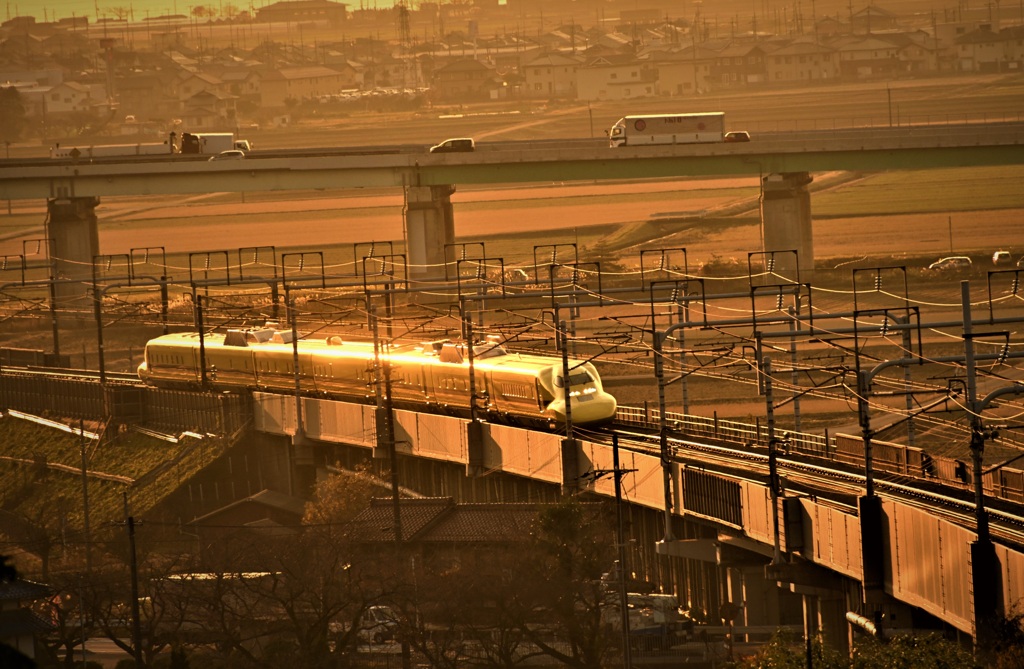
(668, 129)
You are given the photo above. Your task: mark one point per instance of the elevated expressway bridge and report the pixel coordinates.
(784, 161)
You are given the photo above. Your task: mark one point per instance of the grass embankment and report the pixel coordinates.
(49, 494)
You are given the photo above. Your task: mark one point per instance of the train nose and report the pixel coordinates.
(591, 409)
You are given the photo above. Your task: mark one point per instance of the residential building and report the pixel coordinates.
(20, 628)
(148, 96)
(72, 97)
(550, 75)
(682, 72)
(918, 52)
(50, 76)
(303, 10)
(872, 19)
(740, 63)
(386, 71)
(830, 26)
(867, 57)
(190, 83)
(984, 50)
(279, 86)
(228, 532)
(619, 77)
(242, 81)
(466, 79)
(209, 109)
(802, 61)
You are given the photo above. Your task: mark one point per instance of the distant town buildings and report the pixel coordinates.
(65, 69)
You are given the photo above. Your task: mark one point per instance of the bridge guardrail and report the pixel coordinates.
(913, 462)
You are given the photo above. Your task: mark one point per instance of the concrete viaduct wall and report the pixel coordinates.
(926, 560)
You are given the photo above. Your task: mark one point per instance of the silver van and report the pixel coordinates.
(455, 145)
(951, 263)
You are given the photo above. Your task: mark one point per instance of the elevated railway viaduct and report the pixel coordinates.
(781, 530)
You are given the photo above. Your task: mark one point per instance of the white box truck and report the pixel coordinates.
(668, 129)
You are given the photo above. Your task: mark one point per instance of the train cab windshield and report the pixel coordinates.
(579, 377)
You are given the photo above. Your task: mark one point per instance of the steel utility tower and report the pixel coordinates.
(405, 41)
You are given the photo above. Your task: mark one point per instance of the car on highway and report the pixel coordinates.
(737, 136)
(230, 154)
(454, 145)
(1001, 258)
(951, 263)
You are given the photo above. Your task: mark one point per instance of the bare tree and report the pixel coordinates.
(71, 616)
(572, 547)
(12, 114)
(505, 604)
(305, 589)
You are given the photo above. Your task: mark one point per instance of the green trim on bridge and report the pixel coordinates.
(878, 150)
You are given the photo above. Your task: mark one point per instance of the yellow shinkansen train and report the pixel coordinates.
(436, 374)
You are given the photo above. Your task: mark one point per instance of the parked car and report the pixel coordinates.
(951, 263)
(737, 136)
(1000, 257)
(230, 154)
(454, 145)
(379, 624)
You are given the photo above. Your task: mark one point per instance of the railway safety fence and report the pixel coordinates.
(890, 458)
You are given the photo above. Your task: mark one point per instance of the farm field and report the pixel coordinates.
(896, 215)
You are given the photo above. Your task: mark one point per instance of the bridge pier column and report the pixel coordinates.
(72, 225)
(570, 466)
(760, 597)
(475, 447)
(786, 221)
(872, 550)
(429, 230)
(835, 631)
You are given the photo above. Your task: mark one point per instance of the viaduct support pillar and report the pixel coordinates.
(429, 230)
(72, 225)
(786, 221)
